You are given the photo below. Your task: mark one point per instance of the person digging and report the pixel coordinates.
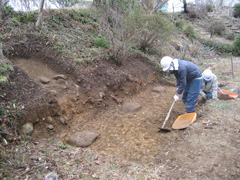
(189, 80)
(209, 86)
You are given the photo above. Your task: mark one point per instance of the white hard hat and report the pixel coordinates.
(207, 75)
(166, 62)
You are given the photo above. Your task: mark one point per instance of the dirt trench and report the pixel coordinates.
(128, 135)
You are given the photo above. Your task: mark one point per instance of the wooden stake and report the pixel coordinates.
(1, 51)
(232, 66)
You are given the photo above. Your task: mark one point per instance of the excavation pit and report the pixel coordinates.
(130, 134)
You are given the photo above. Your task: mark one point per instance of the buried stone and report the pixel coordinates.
(60, 76)
(44, 80)
(27, 128)
(82, 139)
(158, 89)
(63, 121)
(131, 107)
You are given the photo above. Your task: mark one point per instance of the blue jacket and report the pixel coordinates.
(186, 72)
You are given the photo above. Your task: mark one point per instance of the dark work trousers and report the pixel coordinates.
(191, 93)
(209, 94)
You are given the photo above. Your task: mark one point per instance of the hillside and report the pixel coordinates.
(67, 78)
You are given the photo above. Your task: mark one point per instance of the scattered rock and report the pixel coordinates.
(61, 81)
(51, 176)
(238, 164)
(131, 79)
(82, 139)
(54, 92)
(131, 107)
(60, 76)
(178, 46)
(118, 100)
(101, 95)
(158, 89)
(63, 121)
(27, 128)
(89, 88)
(49, 120)
(89, 100)
(44, 80)
(50, 127)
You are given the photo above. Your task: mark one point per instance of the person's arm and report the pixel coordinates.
(201, 91)
(177, 81)
(215, 89)
(182, 81)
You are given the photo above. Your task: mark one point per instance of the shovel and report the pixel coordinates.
(223, 95)
(162, 129)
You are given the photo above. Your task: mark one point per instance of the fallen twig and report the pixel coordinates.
(27, 170)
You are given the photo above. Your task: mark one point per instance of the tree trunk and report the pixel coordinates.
(1, 52)
(1, 10)
(185, 6)
(2, 5)
(39, 20)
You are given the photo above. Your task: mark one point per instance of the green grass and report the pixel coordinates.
(218, 46)
(101, 42)
(221, 105)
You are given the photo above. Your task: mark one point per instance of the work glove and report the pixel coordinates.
(204, 96)
(176, 97)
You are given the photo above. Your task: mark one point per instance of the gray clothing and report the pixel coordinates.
(211, 86)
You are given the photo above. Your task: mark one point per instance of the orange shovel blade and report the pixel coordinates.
(231, 94)
(185, 120)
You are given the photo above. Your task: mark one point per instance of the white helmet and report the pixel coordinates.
(166, 62)
(207, 75)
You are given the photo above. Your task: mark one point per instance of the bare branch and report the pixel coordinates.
(158, 5)
(39, 20)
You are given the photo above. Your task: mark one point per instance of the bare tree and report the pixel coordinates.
(1, 52)
(3, 3)
(185, 10)
(39, 19)
(25, 4)
(66, 3)
(113, 20)
(158, 4)
(147, 4)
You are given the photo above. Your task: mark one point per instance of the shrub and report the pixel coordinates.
(8, 11)
(84, 16)
(101, 42)
(217, 28)
(230, 36)
(236, 46)
(4, 71)
(189, 31)
(19, 16)
(209, 8)
(180, 24)
(199, 11)
(218, 46)
(236, 11)
(149, 29)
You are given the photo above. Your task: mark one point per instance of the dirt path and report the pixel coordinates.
(194, 153)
